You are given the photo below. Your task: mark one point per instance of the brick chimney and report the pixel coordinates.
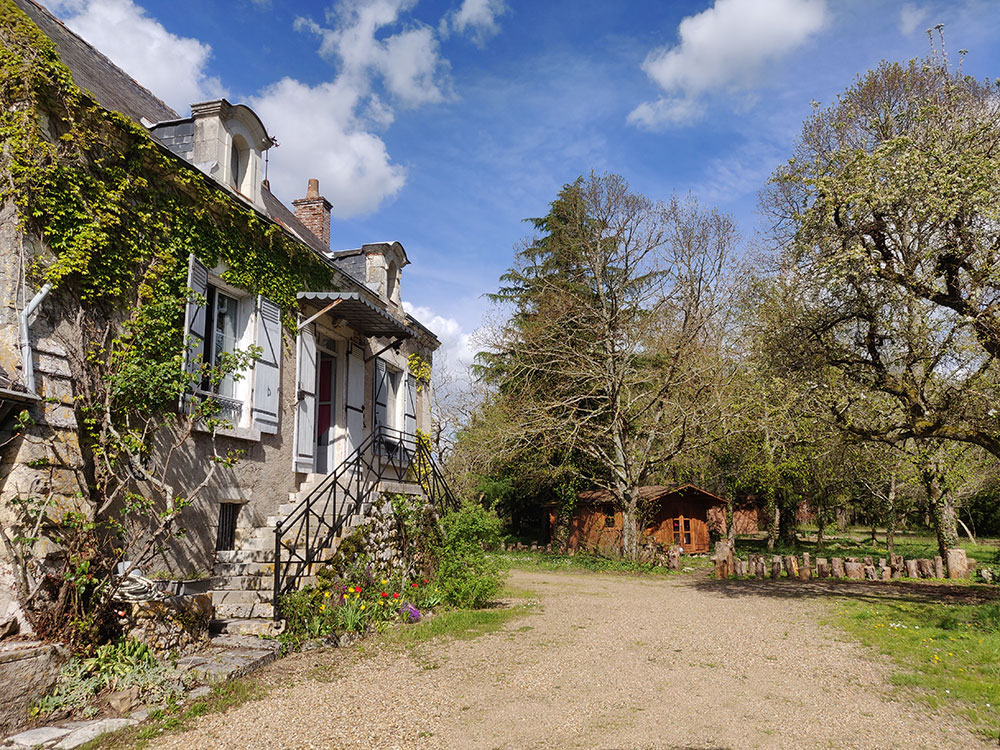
(314, 212)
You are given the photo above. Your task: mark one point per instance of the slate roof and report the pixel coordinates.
(110, 85)
(649, 492)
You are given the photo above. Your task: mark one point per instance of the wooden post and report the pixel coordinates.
(822, 568)
(674, 557)
(775, 567)
(958, 563)
(723, 560)
(925, 568)
(854, 570)
(837, 567)
(912, 569)
(791, 566)
(896, 565)
(938, 567)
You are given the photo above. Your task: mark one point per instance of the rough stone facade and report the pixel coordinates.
(28, 671)
(174, 626)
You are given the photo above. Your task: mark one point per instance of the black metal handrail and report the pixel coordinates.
(317, 521)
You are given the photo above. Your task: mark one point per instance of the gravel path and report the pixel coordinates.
(607, 662)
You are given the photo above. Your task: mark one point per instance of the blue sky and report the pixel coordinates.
(444, 123)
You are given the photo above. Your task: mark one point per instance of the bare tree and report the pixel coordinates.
(612, 349)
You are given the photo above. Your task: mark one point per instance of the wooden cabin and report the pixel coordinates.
(680, 515)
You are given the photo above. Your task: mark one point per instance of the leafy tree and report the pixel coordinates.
(885, 283)
(611, 347)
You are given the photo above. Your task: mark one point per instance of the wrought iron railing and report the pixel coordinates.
(302, 538)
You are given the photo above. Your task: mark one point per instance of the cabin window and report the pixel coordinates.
(609, 517)
(682, 531)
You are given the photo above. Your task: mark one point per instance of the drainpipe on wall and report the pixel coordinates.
(28, 366)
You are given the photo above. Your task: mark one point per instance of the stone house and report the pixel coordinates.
(335, 386)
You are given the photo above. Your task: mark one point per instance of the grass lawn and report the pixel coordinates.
(947, 655)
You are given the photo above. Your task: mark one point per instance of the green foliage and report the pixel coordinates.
(420, 369)
(114, 666)
(591, 562)
(466, 574)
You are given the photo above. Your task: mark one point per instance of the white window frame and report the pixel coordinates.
(245, 327)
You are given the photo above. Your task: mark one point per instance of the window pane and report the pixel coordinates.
(226, 309)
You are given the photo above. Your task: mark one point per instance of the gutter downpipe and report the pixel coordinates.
(28, 366)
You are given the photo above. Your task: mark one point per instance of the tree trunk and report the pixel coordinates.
(630, 521)
(820, 525)
(731, 524)
(890, 516)
(773, 521)
(942, 513)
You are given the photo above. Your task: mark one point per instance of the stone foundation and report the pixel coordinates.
(28, 671)
(176, 625)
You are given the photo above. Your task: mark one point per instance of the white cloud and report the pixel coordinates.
(910, 17)
(170, 66)
(456, 343)
(326, 130)
(322, 136)
(724, 49)
(408, 62)
(478, 18)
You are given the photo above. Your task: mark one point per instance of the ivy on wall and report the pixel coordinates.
(111, 204)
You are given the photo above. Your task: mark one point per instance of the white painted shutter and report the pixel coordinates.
(410, 412)
(305, 407)
(267, 368)
(381, 396)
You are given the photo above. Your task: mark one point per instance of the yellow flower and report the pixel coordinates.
(362, 606)
(357, 596)
(327, 594)
(322, 607)
(384, 581)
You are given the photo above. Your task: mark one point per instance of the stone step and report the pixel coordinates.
(257, 626)
(244, 569)
(257, 610)
(242, 583)
(220, 598)
(244, 555)
(400, 487)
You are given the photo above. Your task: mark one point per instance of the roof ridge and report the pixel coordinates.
(110, 62)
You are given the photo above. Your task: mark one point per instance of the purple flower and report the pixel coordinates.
(410, 613)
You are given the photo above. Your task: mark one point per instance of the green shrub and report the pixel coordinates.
(114, 666)
(466, 575)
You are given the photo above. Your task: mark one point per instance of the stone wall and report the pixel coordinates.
(383, 539)
(176, 625)
(28, 671)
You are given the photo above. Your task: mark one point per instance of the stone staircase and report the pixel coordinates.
(243, 578)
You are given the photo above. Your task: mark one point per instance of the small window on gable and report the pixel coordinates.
(609, 517)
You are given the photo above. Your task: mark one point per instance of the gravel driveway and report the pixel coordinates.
(607, 662)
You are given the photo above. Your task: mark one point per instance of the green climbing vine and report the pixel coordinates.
(420, 368)
(111, 218)
(108, 201)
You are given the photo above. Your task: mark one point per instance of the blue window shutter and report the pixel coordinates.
(267, 368)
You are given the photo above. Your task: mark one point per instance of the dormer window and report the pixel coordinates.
(392, 281)
(238, 159)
